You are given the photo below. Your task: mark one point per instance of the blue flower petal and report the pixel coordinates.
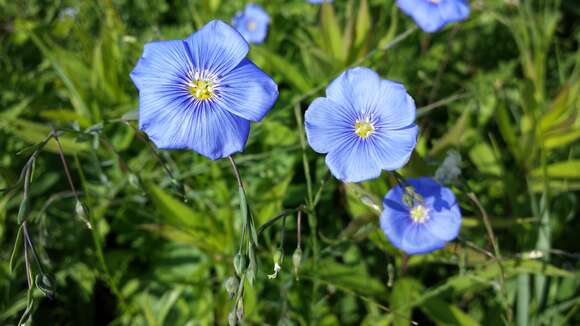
(252, 23)
(395, 106)
(207, 129)
(453, 11)
(328, 124)
(442, 224)
(395, 218)
(161, 65)
(418, 240)
(444, 215)
(248, 91)
(353, 161)
(428, 18)
(393, 148)
(217, 48)
(431, 16)
(358, 87)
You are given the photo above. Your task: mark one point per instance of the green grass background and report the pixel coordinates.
(501, 89)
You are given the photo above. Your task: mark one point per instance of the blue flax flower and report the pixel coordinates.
(432, 15)
(365, 124)
(252, 23)
(433, 219)
(201, 93)
(319, 1)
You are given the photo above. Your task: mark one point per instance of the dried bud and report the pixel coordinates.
(278, 257)
(450, 169)
(240, 310)
(232, 319)
(231, 285)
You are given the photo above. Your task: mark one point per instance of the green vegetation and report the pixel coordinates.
(98, 227)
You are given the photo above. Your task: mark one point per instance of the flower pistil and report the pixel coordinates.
(364, 128)
(201, 89)
(419, 214)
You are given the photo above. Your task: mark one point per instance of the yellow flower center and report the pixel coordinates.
(419, 214)
(251, 25)
(201, 89)
(364, 128)
(434, 1)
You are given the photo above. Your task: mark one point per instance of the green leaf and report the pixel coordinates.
(444, 313)
(557, 110)
(483, 156)
(453, 136)
(288, 70)
(565, 170)
(200, 239)
(352, 278)
(488, 275)
(16, 250)
(523, 299)
(65, 116)
(331, 32)
(59, 66)
(34, 133)
(405, 290)
(552, 141)
(507, 129)
(363, 25)
(186, 225)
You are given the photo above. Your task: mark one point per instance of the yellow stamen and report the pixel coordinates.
(201, 89)
(364, 128)
(251, 25)
(419, 214)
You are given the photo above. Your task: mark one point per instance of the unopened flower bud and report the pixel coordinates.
(296, 259)
(240, 264)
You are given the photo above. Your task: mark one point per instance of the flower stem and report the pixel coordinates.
(497, 253)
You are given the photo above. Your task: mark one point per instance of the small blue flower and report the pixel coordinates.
(319, 1)
(252, 23)
(201, 93)
(364, 123)
(432, 15)
(433, 220)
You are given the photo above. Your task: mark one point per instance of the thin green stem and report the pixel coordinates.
(497, 254)
(91, 223)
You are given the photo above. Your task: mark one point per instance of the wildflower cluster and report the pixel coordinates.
(202, 92)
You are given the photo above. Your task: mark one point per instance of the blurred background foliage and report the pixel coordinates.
(145, 237)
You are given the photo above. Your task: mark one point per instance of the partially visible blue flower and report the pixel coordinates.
(201, 93)
(366, 124)
(432, 15)
(433, 220)
(319, 1)
(252, 23)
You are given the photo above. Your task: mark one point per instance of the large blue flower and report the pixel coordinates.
(252, 23)
(433, 220)
(364, 123)
(201, 93)
(432, 15)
